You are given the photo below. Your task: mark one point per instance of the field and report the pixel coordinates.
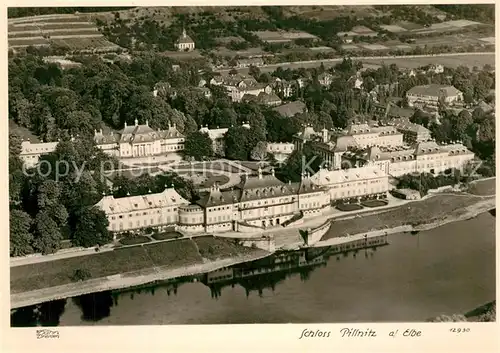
(448, 61)
(420, 212)
(171, 254)
(72, 31)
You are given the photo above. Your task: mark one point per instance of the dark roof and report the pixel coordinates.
(291, 109)
(434, 90)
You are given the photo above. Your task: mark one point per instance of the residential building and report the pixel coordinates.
(353, 183)
(140, 141)
(291, 109)
(244, 63)
(132, 213)
(435, 69)
(325, 79)
(285, 88)
(430, 95)
(185, 43)
(238, 86)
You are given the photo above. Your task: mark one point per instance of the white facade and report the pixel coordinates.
(366, 136)
(31, 152)
(353, 182)
(140, 141)
(427, 157)
(185, 43)
(280, 147)
(135, 212)
(431, 94)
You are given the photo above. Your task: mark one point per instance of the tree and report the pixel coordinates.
(198, 145)
(20, 236)
(81, 275)
(461, 124)
(91, 228)
(259, 152)
(236, 143)
(254, 71)
(47, 237)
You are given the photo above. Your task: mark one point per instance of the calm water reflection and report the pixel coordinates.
(448, 270)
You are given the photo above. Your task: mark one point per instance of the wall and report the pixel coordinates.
(266, 243)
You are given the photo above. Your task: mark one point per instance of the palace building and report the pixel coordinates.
(131, 142)
(258, 202)
(136, 212)
(331, 146)
(353, 183)
(140, 141)
(425, 157)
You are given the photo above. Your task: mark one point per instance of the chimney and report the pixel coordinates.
(272, 171)
(260, 172)
(136, 122)
(100, 131)
(125, 124)
(147, 123)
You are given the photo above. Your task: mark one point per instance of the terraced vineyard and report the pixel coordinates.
(75, 32)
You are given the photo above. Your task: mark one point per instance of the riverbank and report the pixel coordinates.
(124, 280)
(120, 268)
(432, 212)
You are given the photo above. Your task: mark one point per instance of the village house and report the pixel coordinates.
(431, 95)
(238, 85)
(247, 62)
(284, 88)
(325, 79)
(185, 43)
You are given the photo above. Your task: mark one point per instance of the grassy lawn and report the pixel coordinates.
(374, 203)
(212, 179)
(349, 207)
(483, 187)
(166, 235)
(134, 240)
(217, 248)
(143, 258)
(419, 212)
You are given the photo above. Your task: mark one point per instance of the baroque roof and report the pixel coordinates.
(168, 198)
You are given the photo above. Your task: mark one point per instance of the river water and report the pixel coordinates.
(446, 270)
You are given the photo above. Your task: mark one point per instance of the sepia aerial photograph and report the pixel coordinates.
(251, 164)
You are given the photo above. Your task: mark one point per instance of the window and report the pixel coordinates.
(120, 216)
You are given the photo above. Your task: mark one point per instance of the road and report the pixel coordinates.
(409, 61)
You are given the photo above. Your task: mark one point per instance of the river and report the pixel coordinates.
(447, 270)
